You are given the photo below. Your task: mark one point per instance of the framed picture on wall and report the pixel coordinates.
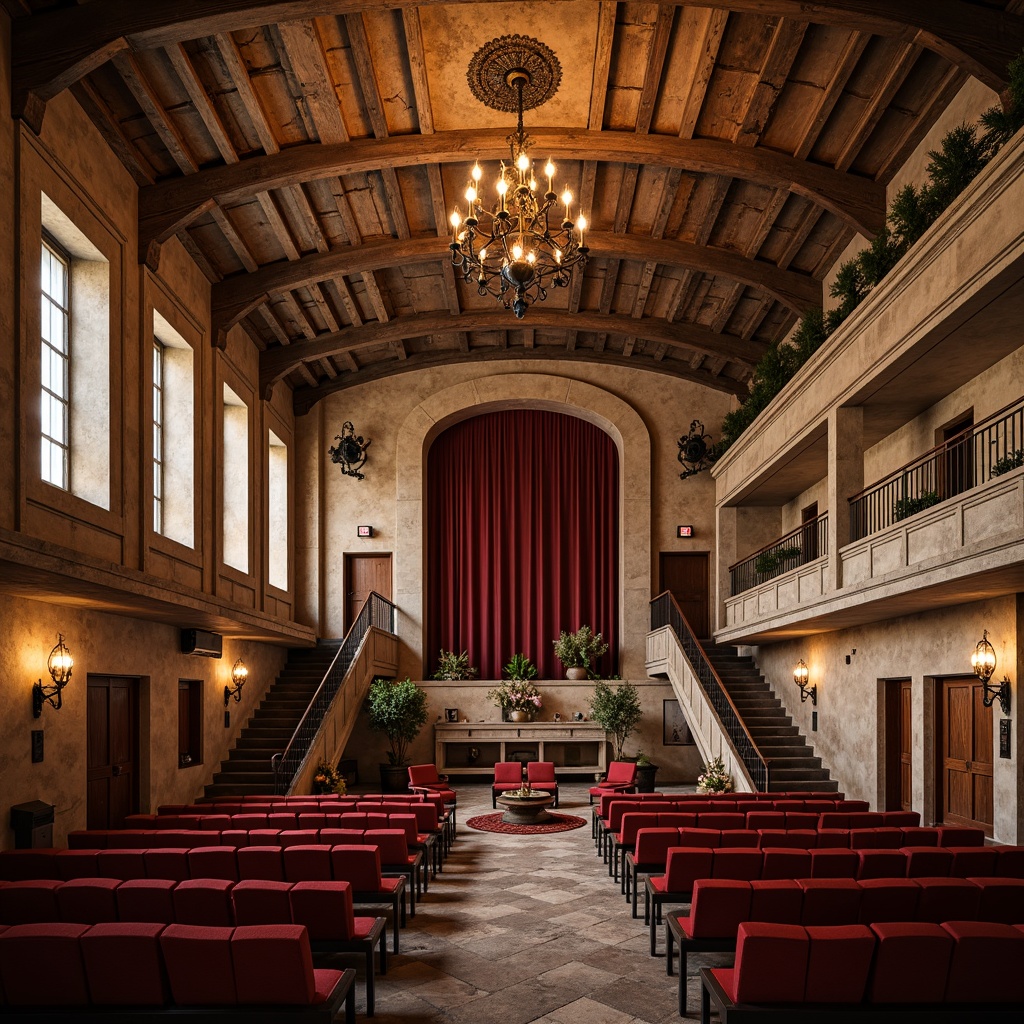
(451, 714)
(675, 731)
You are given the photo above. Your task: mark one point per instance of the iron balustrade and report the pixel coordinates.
(665, 612)
(376, 611)
(800, 546)
(974, 456)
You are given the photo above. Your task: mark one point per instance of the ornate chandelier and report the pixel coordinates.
(523, 245)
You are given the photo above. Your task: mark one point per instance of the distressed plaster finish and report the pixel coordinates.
(923, 647)
(789, 591)
(402, 414)
(112, 645)
(677, 764)
(8, 219)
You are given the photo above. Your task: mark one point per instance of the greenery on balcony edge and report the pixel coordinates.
(963, 152)
(904, 508)
(1007, 462)
(771, 563)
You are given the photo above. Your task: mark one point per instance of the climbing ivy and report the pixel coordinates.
(961, 155)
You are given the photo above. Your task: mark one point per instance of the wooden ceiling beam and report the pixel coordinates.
(655, 67)
(168, 207)
(602, 63)
(277, 363)
(305, 398)
(54, 48)
(235, 297)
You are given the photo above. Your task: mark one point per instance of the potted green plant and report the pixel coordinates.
(520, 667)
(646, 770)
(617, 710)
(577, 650)
(397, 708)
(519, 699)
(454, 666)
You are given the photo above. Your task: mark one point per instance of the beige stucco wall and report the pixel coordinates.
(645, 414)
(851, 719)
(8, 198)
(676, 764)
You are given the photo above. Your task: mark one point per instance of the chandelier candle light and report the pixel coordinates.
(513, 251)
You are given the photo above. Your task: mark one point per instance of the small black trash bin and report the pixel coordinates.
(33, 825)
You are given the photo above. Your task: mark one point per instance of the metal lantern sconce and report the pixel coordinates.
(983, 661)
(59, 664)
(800, 674)
(239, 674)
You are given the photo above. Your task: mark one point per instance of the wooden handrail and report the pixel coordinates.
(792, 533)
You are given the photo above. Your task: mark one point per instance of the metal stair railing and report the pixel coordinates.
(665, 612)
(376, 611)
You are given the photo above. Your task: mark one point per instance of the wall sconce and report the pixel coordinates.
(800, 678)
(239, 674)
(59, 664)
(983, 661)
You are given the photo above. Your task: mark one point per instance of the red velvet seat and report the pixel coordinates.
(801, 839)
(704, 838)
(737, 838)
(77, 864)
(947, 899)
(124, 963)
(971, 861)
(994, 952)
(876, 839)
(620, 778)
(721, 821)
(203, 901)
(881, 864)
(29, 902)
(927, 861)
(87, 900)
(213, 862)
(741, 864)
(298, 837)
(146, 899)
(541, 776)
(121, 864)
(834, 863)
(829, 901)
(911, 962)
(27, 865)
(647, 857)
(508, 776)
(310, 863)
(771, 964)
(261, 862)
(717, 908)
(166, 863)
(888, 899)
(1002, 899)
(360, 867)
(199, 965)
(785, 863)
(758, 820)
(1011, 861)
(274, 966)
(30, 954)
(779, 900)
(395, 855)
(957, 835)
(838, 963)
(257, 901)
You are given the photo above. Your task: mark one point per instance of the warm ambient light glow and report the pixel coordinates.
(239, 674)
(59, 664)
(983, 660)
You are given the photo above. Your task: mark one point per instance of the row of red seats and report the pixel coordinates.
(720, 906)
(324, 908)
(646, 847)
(912, 964)
(153, 965)
(685, 865)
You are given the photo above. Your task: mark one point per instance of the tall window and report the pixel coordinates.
(55, 324)
(158, 436)
(235, 482)
(277, 493)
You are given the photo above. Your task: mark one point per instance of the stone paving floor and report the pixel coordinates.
(527, 928)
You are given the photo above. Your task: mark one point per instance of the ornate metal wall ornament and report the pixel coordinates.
(350, 451)
(696, 452)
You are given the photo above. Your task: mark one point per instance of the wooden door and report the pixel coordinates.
(112, 767)
(809, 534)
(685, 574)
(958, 463)
(364, 573)
(965, 768)
(898, 743)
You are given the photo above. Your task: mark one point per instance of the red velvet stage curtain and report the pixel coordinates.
(523, 539)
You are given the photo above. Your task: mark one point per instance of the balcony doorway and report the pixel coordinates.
(956, 470)
(685, 574)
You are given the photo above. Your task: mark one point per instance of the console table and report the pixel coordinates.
(576, 748)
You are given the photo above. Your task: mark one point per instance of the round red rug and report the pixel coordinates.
(493, 823)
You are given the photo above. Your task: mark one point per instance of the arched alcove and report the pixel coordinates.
(529, 391)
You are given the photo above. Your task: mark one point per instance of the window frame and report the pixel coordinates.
(158, 434)
(50, 245)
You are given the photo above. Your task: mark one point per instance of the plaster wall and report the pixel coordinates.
(8, 244)
(792, 510)
(111, 645)
(851, 721)
(677, 763)
(402, 414)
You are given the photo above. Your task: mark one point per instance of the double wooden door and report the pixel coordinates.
(965, 758)
(685, 574)
(112, 744)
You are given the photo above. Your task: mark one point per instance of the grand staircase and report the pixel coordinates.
(793, 764)
(247, 768)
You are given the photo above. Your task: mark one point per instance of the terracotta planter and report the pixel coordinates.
(576, 673)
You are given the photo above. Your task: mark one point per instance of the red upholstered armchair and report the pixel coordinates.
(621, 778)
(541, 776)
(508, 775)
(423, 778)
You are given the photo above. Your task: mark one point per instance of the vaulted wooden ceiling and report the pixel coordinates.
(307, 154)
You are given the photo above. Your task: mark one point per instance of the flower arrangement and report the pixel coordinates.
(327, 779)
(516, 695)
(714, 779)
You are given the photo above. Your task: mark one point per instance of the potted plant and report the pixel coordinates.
(327, 779)
(646, 770)
(519, 699)
(617, 710)
(454, 666)
(577, 650)
(397, 708)
(714, 778)
(520, 667)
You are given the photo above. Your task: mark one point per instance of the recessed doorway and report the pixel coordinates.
(965, 754)
(363, 574)
(686, 575)
(112, 750)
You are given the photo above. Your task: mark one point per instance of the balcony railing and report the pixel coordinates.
(376, 611)
(979, 453)
(665, 612)
(800, 546)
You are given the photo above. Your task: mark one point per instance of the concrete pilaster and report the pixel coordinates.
(845, 478)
